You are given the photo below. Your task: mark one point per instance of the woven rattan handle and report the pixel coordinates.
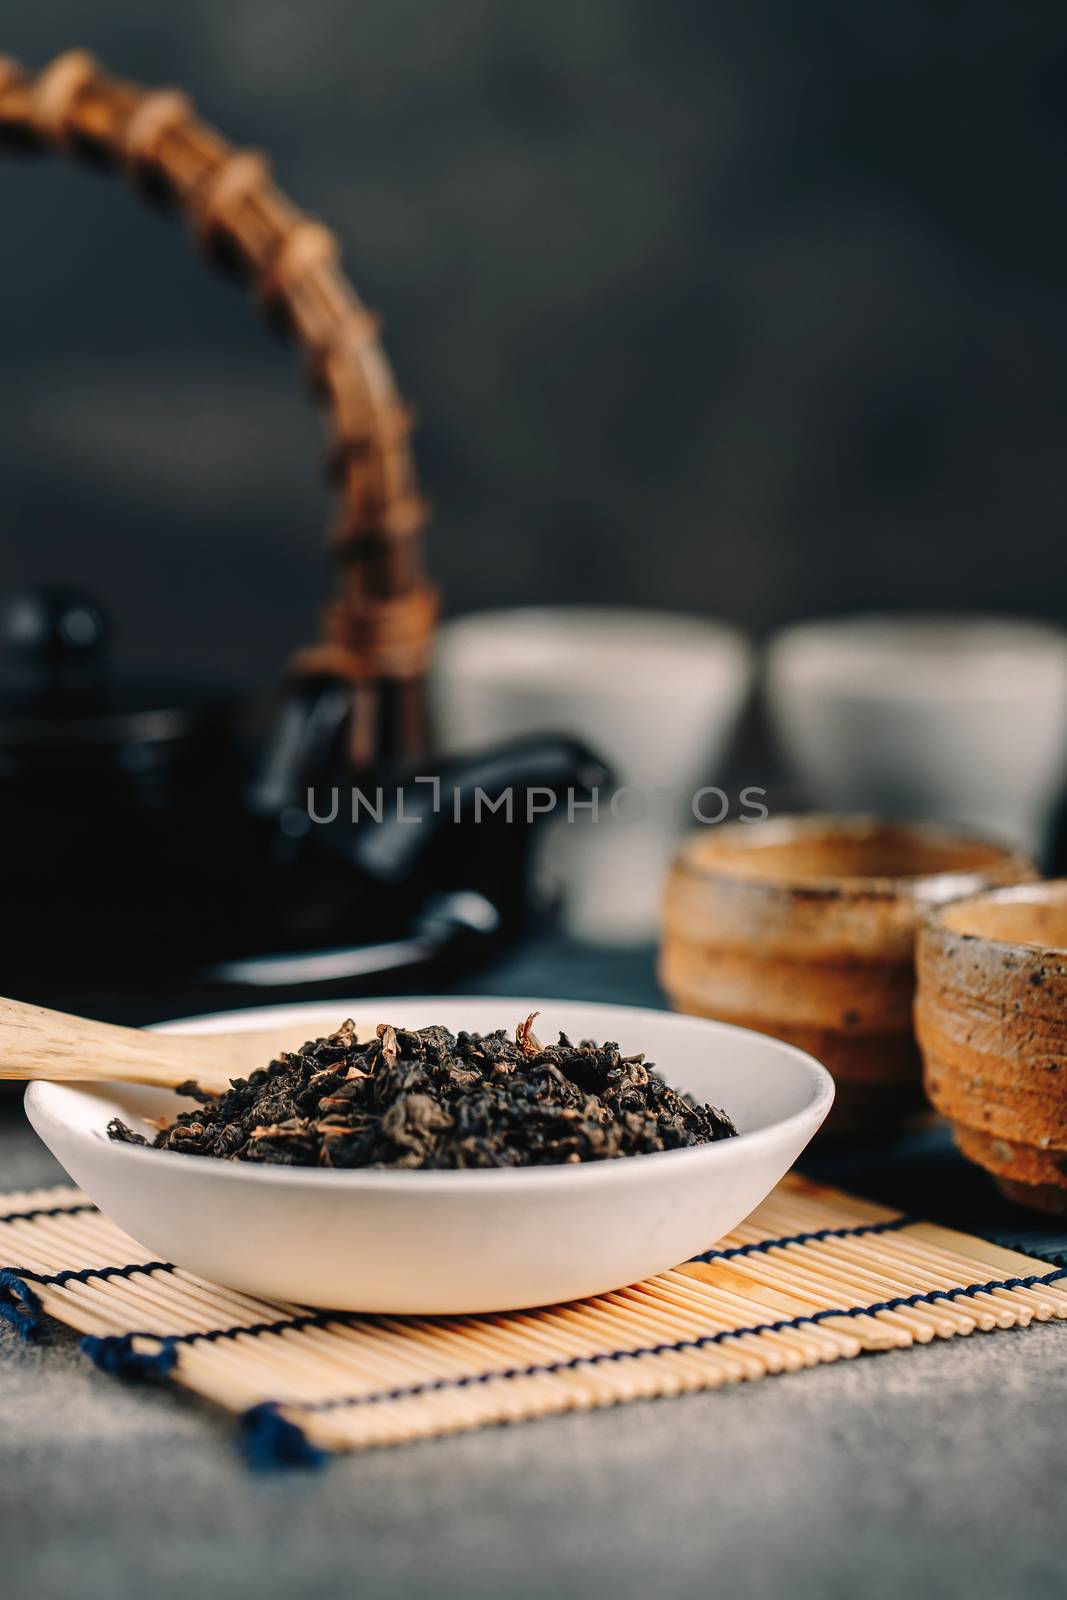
(378, 629)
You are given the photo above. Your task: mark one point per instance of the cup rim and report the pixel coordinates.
(888, 655)
(1046, 891)
(938, 886)
(647, 643)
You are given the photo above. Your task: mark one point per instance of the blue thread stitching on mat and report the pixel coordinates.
(47, 1211)
(22, 1276)
(763, 1245)
(266, 1439)
(324, 1318)
(412, 1391)
(308, 1319)
(315, 1319)
(56, 1280)
(115, 1353)
(19, 1306)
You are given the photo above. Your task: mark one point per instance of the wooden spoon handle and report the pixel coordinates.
(37, 1043)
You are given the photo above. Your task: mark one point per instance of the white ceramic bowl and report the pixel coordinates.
(452, 1241)
(656, 695)
(955, 719)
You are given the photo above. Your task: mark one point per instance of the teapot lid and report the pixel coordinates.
(61, 704)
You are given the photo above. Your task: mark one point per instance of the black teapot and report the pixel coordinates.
(158, 852)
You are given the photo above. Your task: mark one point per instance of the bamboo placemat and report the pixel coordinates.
(814, 1275)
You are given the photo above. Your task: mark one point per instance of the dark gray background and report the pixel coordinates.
(751, 308)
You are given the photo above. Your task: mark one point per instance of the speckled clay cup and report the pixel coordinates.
(991, 1015)
(804, 928)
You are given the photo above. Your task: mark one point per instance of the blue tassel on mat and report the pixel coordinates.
(267, 1440)
(18, 1304)
(116, 1354)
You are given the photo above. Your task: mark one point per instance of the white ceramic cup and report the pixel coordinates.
(655, 695)
(957, 719)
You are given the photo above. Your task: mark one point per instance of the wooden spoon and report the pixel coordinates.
(37, 1043)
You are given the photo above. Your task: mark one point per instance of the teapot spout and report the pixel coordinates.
(469, 822)
(434, 866)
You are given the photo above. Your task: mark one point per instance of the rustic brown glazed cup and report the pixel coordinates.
(804, 928)
(991, 1015)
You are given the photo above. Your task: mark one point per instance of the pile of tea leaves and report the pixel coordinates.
(430, 1099)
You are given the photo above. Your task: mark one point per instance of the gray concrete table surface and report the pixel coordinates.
(938, 1470)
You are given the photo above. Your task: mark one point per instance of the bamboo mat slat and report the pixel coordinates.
(814, 1275)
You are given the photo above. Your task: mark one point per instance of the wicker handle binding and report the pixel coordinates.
(378, 629)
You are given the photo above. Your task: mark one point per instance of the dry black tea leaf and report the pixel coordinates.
(429, 1099)
(526, 1039)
